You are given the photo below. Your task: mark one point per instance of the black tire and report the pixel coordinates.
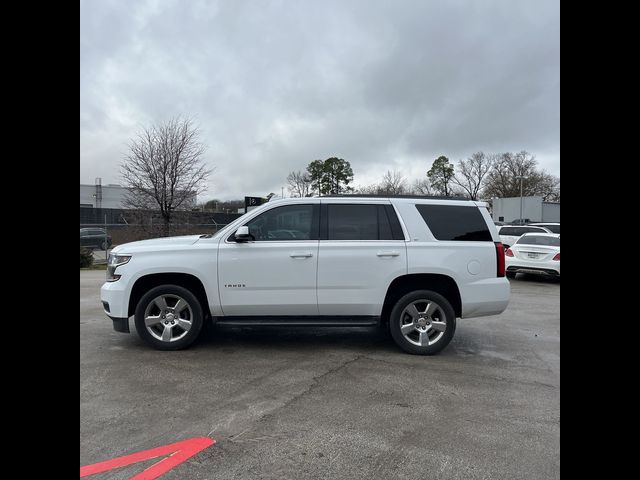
(196, 319)
(446, 310)
(104, 246)
(510, 274)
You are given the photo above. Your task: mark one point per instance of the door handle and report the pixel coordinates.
(300, 254)
(391, 253)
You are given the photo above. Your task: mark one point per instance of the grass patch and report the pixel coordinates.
(96, 266)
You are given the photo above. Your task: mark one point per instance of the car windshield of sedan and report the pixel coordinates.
(539, 240)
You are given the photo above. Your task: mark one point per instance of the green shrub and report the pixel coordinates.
(86, 257)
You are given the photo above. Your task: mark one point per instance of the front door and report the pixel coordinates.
(275, 273)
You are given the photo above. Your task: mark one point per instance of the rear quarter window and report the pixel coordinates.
(453, 222)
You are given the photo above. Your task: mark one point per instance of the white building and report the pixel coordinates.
(112, 196)
(103, 196)
(533, 209)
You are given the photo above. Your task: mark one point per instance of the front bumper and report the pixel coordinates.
(120, 324)
(115, 303)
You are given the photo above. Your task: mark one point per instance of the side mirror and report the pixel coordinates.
(242, 234)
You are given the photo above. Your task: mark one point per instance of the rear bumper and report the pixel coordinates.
(534, 270)
(520, 265)
(485, 297)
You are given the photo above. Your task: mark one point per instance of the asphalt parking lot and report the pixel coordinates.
(331, 403)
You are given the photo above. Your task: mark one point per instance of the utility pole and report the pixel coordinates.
(521, 177)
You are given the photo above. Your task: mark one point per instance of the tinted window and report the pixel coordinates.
(507, 231)
(96, 232)
(452, 222)
(384, 227)
(353, 222)
(291, 222)
(532, 230)
(539, 240)
(552, 228)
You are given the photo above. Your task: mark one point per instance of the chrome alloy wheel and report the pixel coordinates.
(168, 317)
(423, 322)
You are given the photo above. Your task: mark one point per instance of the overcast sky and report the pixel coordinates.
(274, 85)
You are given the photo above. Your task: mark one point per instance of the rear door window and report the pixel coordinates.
(453, 222)
(360, 222)
(353, 222)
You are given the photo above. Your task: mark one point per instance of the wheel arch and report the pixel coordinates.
(186, 280)
(439, 283)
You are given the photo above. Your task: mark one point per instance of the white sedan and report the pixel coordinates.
(537, 253)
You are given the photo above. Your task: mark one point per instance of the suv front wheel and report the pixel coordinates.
(422, 322)
(169, 317)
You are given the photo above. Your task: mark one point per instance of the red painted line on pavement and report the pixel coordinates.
(178, 452)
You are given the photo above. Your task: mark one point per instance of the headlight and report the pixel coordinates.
(113, 262)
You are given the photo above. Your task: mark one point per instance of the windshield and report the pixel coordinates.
(539, 240)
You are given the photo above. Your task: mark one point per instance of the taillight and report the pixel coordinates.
(500, 258)
(557, 257)
(508, 253)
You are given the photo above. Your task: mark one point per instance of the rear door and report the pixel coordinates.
(362, 249)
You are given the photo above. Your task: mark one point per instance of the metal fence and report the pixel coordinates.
(124, 226)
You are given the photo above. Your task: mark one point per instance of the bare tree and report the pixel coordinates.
(421, 186)
(164, 168)
(393, 183)
(472, 172)
(299, 184)
(504, 179)
(373, 189)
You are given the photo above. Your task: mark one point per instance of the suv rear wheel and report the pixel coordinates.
(169, 317)
(422, 322)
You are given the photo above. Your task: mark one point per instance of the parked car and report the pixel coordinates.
(552, 227)
(509, 234)
(537, 253)
(414, 264)
(95, 237)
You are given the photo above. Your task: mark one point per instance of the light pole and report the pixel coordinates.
(281, 192)
(521, 177)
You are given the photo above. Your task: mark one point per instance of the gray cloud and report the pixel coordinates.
(274, 85)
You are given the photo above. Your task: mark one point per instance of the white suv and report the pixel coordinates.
(414, 263)
(509, 234)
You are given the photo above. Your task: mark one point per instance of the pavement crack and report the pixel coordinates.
(315, 381)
